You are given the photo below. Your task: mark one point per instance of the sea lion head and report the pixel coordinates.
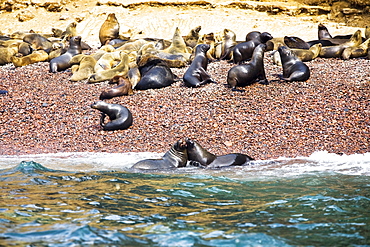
(265, 36)
(197, 153)
(295, 42)
(202, 48)
(285, 53)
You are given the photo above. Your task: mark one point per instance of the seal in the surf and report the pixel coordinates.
(175, 157)
(293, 68)
(63, 61)
(120, 117)
(196, 75)
(199, 156)
(246, 74)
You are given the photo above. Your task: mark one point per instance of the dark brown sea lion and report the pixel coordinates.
(62, 62)
(38, 42)
(295, 42)
(199, 156)
(124, 88)
(24, 48)
(154, 73)
(176, 157)
(323, 32)
(120, 117)
(242, 52)
(109, 29)
(228, 44)
(196, 75)
(337, 50)
(246, 74)
(293, 68)
(34, 57)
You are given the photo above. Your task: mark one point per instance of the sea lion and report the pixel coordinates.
(24, 49)
(246, 74)
(34, 57)
(357, 51)
(175, 157)
(303, 54)
(244, 51)
(196, 75)
(199, 156)
(323, 32)
(121, 69)
(109, 29)
(210, 40)
(228, 44)
(38, 42)
(84, 67)
(7, 53)
(293, 68)
(337, 50)
(295, 42)
(192, 38)
(124, 88)
(62, 62)
(178, 45)
(70, 31)
(134, 76)
(154, 73)
(120, 117)
(108, 61)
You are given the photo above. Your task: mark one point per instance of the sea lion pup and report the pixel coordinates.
(247, 74)
(323, 32)
(62, 62)
(175, 157)
(356, 51)
(109, 29)
(34, 57)
(70, 31)
(121, 69)
(199, 156)
(337, 50)
(228, 44)
(192, 38)
(303, 54)
(293, 68)
(38, 42)
(196, 75)
(154, 73)
(82, 67)
(120, 117)
(244, 51)
(124, 88)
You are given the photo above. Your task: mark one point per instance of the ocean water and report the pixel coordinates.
(93, 199)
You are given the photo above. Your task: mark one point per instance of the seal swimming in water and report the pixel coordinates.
(120, 117)
(175, 157)
(199, 156)
(63, 61)
(293, 68)
(244, 51)
(246, 74)
(196, 75)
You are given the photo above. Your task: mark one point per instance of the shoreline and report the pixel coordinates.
(46, 113)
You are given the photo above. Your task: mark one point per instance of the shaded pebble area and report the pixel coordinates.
(46, 113)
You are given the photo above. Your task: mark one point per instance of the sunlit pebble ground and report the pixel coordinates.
(46, 112)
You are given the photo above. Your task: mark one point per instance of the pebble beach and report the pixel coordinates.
(45, 112)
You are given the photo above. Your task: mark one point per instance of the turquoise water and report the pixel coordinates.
(89, 199)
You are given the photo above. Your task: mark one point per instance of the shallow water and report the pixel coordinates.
(79, 199)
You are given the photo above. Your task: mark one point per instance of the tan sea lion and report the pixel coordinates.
(120, 116)
(357, 51)
(121, 69)
(178, 45)
(210, 40)
(108, 61)
(70, 31)
(124, 88)
(7, 53)
(109, 29)
(228, 44)
(303, 54)
(134, 76)
(34, 57)
(84, 67)
(337, 50)
(175, 157)
(192, 38)
(132, 45)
